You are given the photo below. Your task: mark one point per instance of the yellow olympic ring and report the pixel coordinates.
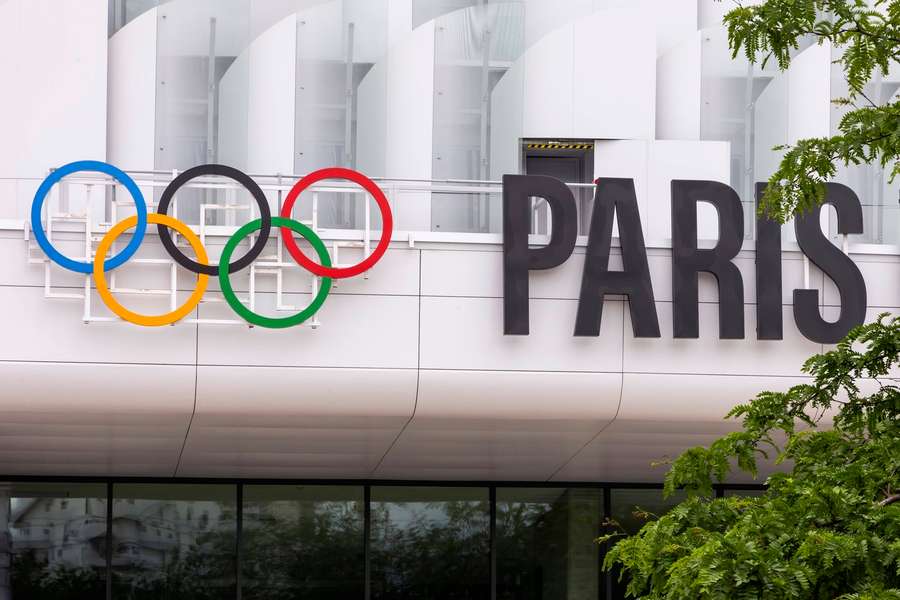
(133, 317)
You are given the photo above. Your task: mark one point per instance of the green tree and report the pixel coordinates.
(868, 35)
(827, 527)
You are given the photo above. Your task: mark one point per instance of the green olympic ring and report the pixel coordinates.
(246, 313)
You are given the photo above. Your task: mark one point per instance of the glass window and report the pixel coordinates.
(545, 543)
(430, 543)
(55, 537)
(174, 542)
(302, 542)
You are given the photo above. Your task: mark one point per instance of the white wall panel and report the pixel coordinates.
(356, 331)
(500, 424)
(395, 121)
(717, 63)
(187, 23)
(480, 273)
(678, 91)
(809, 93)
(651, 427)
(372, 33)
(308, 422)
(542, 17)
(489, 406)
(371, 121)
(675, 21)
(132, 94)
(507, 106)
(410, 84)
(770, 127)
(232, 147)
(882, 277)
(549, 74)
(711, 12)
(268, 140)
(796, 104)
(50, 50)
(713, 356)
(318, 24)
(614, 76)
(16, 272)
(265, 14)
(399, 20)
(516, 400)
(93, 419)
(467, 333)
(43, 329)
(396, 274)
(608, 61)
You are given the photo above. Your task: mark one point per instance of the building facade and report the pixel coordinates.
(404, 441)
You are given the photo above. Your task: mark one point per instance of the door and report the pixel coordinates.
(568, 162)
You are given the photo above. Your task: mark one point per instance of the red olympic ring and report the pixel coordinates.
(387, 223)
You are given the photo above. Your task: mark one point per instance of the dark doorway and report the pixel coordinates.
(568, 161)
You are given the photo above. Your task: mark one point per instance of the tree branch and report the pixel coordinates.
(890, 500)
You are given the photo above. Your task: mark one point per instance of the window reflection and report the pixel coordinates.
(545, 543)
(174, 542)
(302, 542)
(430, 543)
(53, 540)
(179, 542)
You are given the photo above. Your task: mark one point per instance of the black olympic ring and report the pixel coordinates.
(242, 178)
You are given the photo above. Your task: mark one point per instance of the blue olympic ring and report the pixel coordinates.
(87, 267)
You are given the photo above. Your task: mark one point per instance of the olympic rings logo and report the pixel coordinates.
(201, 267)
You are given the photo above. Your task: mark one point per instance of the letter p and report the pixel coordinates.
(518, 258)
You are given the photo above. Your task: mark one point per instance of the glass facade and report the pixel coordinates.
(302, 542)
(53, 540)
(317, 541)
(173, 541)
(415, 531)
(545, 543)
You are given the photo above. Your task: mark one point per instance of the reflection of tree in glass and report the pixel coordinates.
(430, 550)
(33, 580)
(316, 555)
(518, 525)
(545, 544)
(205, 571)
